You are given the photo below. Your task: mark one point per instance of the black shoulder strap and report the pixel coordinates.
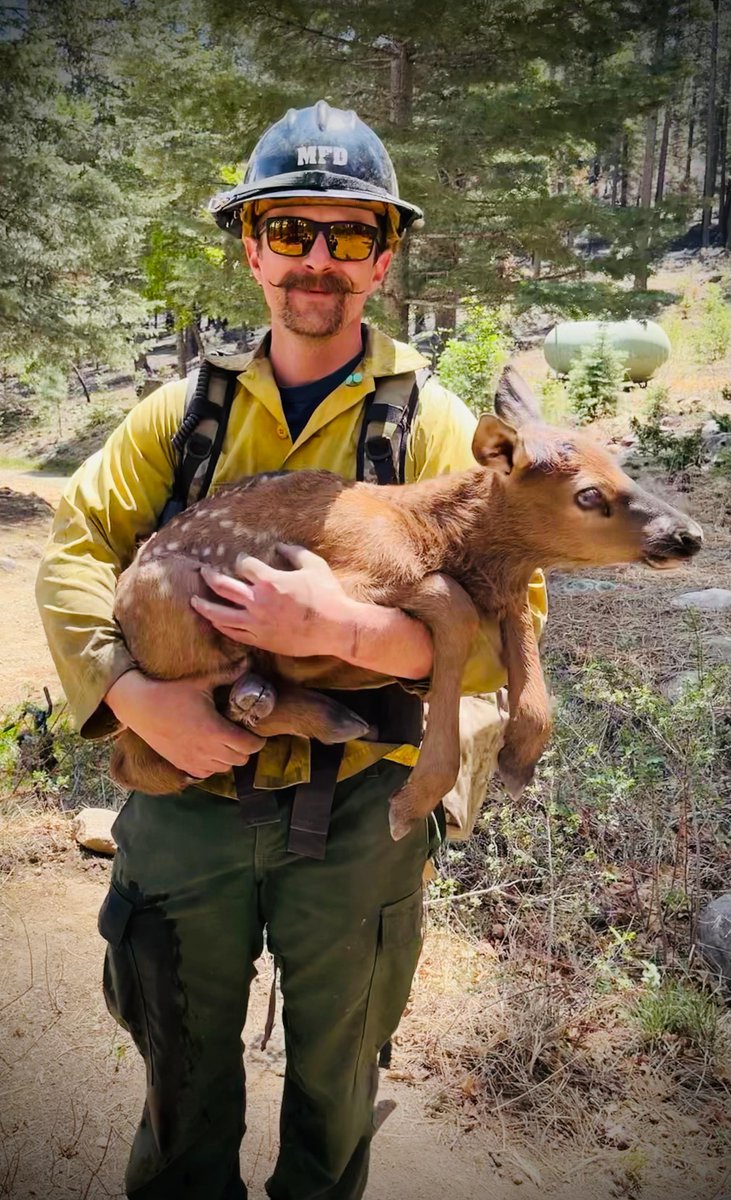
(381, 452)
(200, 435)
(382, 445)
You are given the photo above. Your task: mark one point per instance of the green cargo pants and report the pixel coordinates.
(193, 890)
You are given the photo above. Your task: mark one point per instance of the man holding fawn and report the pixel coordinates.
(195, 888)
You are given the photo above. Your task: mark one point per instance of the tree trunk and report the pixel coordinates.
(723, 149)
(402, 86)
(401, 113)
(663, 159)
(648, 164)
(624, 171)
(691, 134)
(709, 180)
(182, 357)
(645, 203)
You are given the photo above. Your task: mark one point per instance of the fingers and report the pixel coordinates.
(226, 586)
(300, 557)
(253, 570)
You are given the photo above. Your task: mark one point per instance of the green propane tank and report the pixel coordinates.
(644, 344)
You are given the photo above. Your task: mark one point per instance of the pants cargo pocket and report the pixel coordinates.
(122, 986)
(400, 939)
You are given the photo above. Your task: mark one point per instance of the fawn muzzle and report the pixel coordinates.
(668, 541)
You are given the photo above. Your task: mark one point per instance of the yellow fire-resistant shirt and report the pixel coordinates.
(118, 495)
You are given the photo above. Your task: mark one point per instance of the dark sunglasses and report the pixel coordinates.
(347, 241)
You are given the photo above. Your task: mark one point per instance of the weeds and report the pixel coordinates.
(582, 900)
(677, 1009)
(714, 334)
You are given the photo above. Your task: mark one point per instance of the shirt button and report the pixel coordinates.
(282, 432)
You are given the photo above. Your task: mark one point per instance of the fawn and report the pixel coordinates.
(446, 550)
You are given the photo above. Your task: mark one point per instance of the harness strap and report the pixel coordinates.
(198, 440)
(313, 801)
(258, 806)
(382, 445)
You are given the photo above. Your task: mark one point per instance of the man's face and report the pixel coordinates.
(316, 295)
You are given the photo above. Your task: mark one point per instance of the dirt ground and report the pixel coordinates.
(26, 501)
(73, 1084)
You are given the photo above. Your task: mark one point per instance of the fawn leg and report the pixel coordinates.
(529, 726)
(138, 767)
(452, 619)
(254, 703)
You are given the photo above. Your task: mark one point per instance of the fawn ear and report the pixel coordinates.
(494, 444)
(514, 400)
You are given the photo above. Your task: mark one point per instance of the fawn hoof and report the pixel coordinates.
(515, 776)
(401, 814)
(250, 700)
(341, 724)
(400, 826)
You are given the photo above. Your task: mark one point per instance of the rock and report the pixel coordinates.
(675, 687)
(708, 600)
(8, 564)
(713, 935)
(92, 828)
(709, 428)
(719, 649)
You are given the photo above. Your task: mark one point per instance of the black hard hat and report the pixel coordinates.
(318, 151)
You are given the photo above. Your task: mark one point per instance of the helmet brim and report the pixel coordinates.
(226, 206)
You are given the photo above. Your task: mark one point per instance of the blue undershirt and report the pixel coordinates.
(299, 403)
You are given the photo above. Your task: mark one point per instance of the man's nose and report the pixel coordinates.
(319, 256)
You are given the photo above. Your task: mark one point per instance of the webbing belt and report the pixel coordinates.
(311, 803)
(397, 716)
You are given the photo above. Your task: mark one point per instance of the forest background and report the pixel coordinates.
(536, 134)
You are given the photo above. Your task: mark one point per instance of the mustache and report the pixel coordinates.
(337, 284)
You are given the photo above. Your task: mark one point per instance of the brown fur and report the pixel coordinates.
(448, 551)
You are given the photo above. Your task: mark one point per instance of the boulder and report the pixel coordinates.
(719, 649)
(708, 600)
(675, 687)
(92, 828)
(713, 935)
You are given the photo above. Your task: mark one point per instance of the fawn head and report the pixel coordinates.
(566, 497)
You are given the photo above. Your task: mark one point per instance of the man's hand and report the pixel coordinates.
(307, 612)
(179, 719)
(299, 613)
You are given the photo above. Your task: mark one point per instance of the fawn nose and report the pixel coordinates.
(670, 536)
(689, 540)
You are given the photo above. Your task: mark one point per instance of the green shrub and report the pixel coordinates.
(468, 364)
(594, 379)
(714, 335)
(673, 452)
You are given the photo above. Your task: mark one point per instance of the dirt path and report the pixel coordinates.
(27, 500)
(72, 1081)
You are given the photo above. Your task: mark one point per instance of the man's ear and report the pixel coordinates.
(251, 250)
(380, 269)
(494, 444)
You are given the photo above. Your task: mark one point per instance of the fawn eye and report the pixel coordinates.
(592, 498)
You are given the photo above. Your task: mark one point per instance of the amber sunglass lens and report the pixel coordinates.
(351, 241)
(290, 235)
